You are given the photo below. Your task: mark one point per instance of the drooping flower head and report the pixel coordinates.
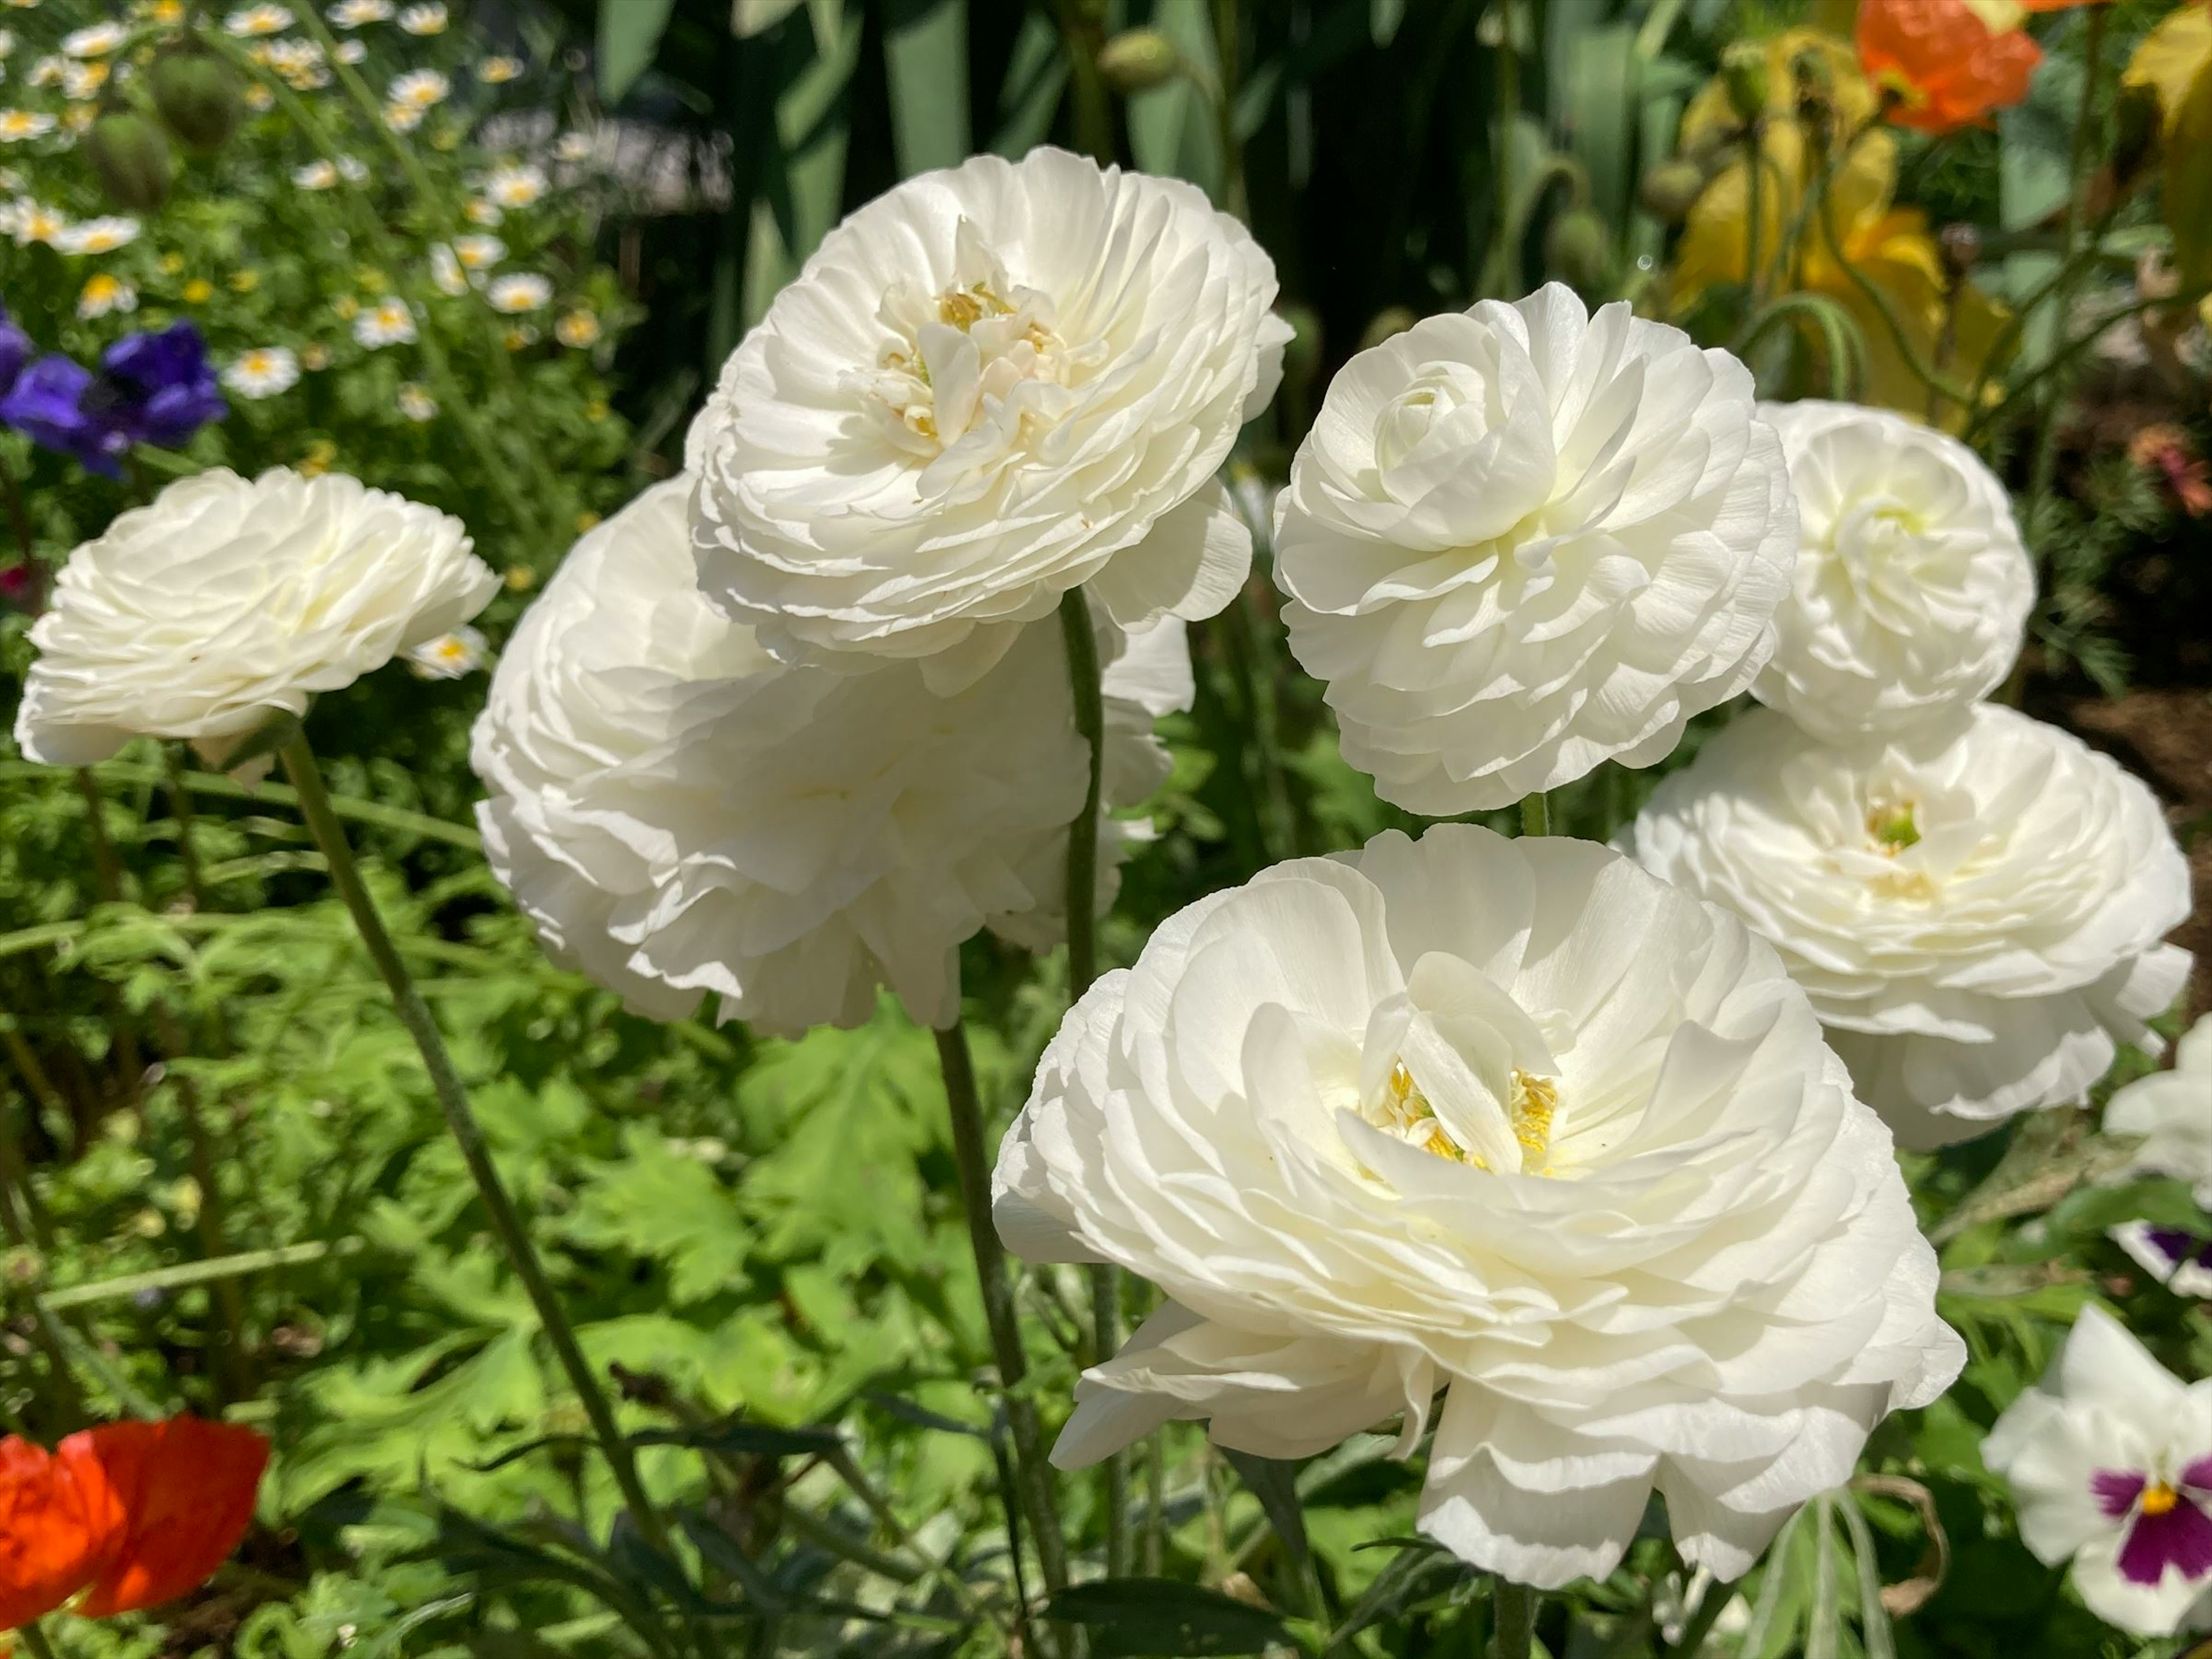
(680, 814)
(1511, 1120)
(227, 601)
(1524, 540)
(2110, 1461)
(1978, 918)
(986, 388)
(1912, 585)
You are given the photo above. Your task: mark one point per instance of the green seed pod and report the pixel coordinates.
(1137, 60)
(1743, 70)
(1670, 190)
(1578, 249)
(130, 158)
(198, 96)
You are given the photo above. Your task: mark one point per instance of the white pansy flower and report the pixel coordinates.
(388, 322)
(100, 235)
(263, 371)
(514, 185)
(1524, 540)
(228, 600)
(418, 89)
(423, 20)
(18, 124)
(2171, 1112)
(97, 42)
(449, 656)
(103, 295)
(1513, 1121)
(680, 814)
(251, 21)
(2110, 1461)
(356, 14)
(985, 387)
(1912, 585)
(518, 294)
(416, 403)
(1977, 918)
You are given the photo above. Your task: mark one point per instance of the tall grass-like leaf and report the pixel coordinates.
(629, 35)
(926, 59)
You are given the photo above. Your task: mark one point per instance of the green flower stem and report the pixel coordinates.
(1754, 210)
(2045, 469)
(1082, 33)
(453, 397)
(1514, 1634)
(186, 1273)
(180, 809)
(1278, 820)
(1713, 1604)
(315, 807)
(1536, 814)
(1031, 1473)
(1081, 906)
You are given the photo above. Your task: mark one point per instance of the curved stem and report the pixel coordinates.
(1035, 1495)
(415, 1014)
(1700, 1623)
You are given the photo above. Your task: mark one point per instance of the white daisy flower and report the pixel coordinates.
(574, 147)
(250, 21)
(446, 270)
(94, 42)
(354, 13)
(350, 52)
(510, 185)
(389, 322)
(263, 373)
(30, 222)
(83, 80)
(481, 212)
(577, 329)
(17, 124)
(103, 293)
(494, 70)
(403, 117)
(423, 20)
(421, 88)
(519, 293)
(479, 252)
(101, 236)
(450, 656)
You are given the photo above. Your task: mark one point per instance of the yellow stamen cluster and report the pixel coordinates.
(1534, 1102)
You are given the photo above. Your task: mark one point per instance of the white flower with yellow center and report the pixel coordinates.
(103, 295)
(80, 81)
(1513, 1120)
(101, 236)
(315, 175)
(479, 253)
(417, 404)
(519, 292)
(18, 124)
(263, 373)
(680, 814)
(388, 322)
(300, 62)
(96, 41)
(403, 117)
(229, 600)
(1978, 918)
(350, 52)
(249, 21)
(574, 147)
(1912, 585)
(577, 330)
(29, 222)
(48, 71)
(514, 185)
(449, 656)
(418, 89)
(986, 388)
(1524, 540)
(479, 211)
(495, 72)
(423, 20)
(358, 14)
(446, 270)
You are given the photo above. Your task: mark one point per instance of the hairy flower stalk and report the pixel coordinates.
(300, 765)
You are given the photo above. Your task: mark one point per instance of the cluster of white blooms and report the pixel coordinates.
(680, 813)
(1514, 1120)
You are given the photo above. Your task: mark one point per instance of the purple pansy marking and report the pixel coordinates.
(2168, 1526)
(2177, 1245)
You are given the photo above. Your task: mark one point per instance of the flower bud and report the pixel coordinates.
(1578, 249)
(130, 158)
(1962, 248)
(1671, 189)
(197, 94)
(1137, 60)
(1743, 71)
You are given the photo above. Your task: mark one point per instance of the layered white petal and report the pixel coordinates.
(1508, 1120)
(227, 601)
(2171, 1111)
(987, 387)
(1977, 915)
(681, 814)
(1912, 585)
(1524, 540)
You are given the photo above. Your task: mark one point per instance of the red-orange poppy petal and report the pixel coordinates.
(187, 1489)
(1952, 70)
(57, 1526)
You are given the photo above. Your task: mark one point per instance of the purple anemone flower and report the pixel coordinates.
(152, 388)
(2168, 1525)
(52, 405)
(16, 350)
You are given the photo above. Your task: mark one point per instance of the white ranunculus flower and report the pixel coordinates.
(2109, 1461)
(228, 600)
(1523, 540)
(1913, 587)
(1512, 1120)
(1977, 918)
(987, 387)
(679, 813)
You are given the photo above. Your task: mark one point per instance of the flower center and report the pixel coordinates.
(2159, 1498)
(1890, 825)
(1406, 1112)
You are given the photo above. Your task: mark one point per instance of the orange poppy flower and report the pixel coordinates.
(1947, 66)
(133, 1514)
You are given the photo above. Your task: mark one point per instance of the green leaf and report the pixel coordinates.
(1172, 130)
(1274, 1483)
(669, 1207)
(629, 35)
(1159, 1619)
(926, 59)
(2187, 190)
